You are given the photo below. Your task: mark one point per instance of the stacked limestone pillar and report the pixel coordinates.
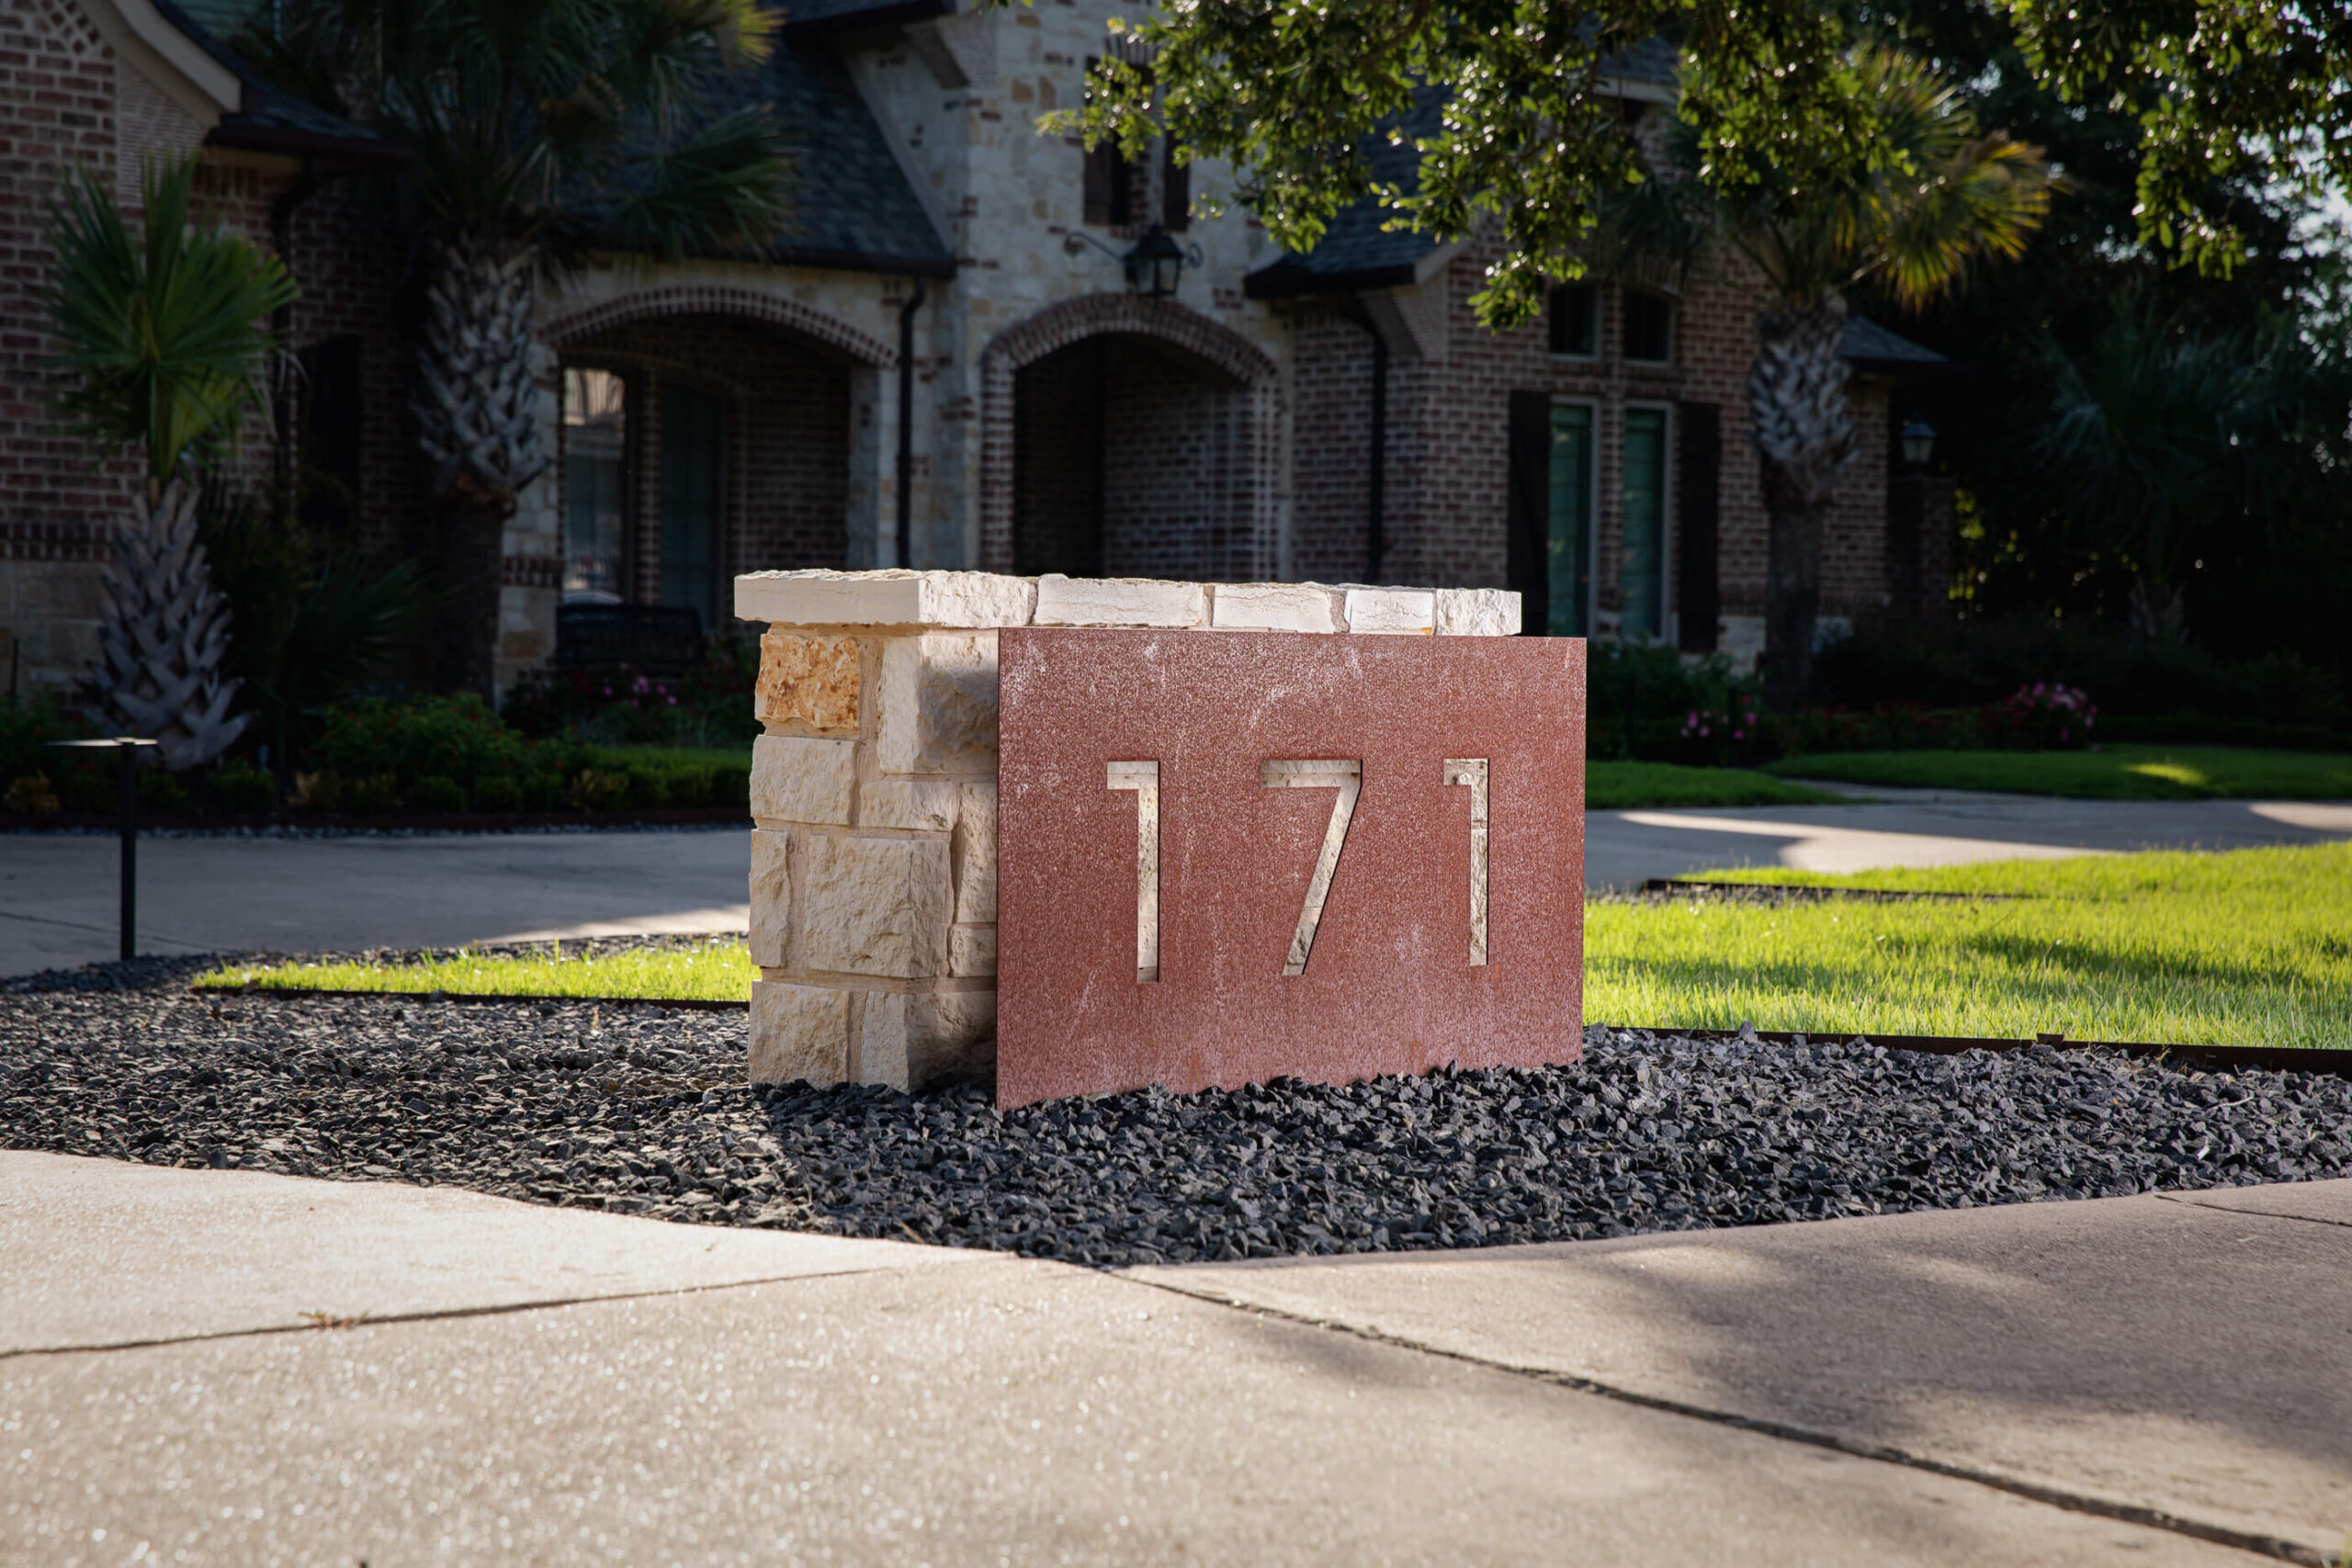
(874, 789)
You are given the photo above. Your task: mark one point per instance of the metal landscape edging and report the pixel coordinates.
(242, 993)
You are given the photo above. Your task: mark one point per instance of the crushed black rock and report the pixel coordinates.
(642, 1110)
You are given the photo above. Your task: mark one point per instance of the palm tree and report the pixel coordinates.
(1935, 195)
(542, 129)
(2168, 437)
(166, 341)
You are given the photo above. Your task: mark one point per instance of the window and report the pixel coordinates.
(1643, 576)
(1576, 321)
(1119, 190)
(1175, 189)
(1649, 328)
(327, 489)
(694, 486)
(1568, 544)
(595, 487)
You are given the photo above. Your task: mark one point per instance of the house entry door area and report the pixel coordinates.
(693, 490)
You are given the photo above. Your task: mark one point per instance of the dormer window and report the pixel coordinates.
(1576, 321)
(1649, 328)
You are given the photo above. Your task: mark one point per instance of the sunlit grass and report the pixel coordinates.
(1621, 786)
(720, 971)
(2249, 948)
(2112, 773)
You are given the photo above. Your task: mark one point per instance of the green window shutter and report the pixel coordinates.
(1698, 507)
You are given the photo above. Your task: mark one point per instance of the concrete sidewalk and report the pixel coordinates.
(57, 891)
(801, 1398)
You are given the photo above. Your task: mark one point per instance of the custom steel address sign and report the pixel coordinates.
(1225, 857)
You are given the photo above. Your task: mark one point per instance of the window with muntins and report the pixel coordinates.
(1649, 328)
(1576, 321)
(595, 487)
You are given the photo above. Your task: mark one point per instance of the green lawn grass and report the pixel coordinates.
(2249, 948)
(1621, 786)
(2112, 773)
(718, 971)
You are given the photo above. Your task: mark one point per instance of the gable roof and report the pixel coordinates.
(851, 205)
(1868, 347)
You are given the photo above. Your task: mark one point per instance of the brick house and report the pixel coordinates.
(941, 361)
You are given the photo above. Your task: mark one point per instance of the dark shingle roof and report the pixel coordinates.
(268, 120)
(1355, 251)
(812, 16)
(1651, 61)
(1869, 346)
(852, 206)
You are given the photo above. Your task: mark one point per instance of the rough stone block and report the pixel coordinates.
(971, 951)
(890, 598)
(771, 897)
(798, 1032)
(1275, 607)
(937, 707)
(882, 1042)
(1119, 602)
(1478, 612)
(807, 680)
(975, 854)
(1375, 610)
(794, 779)
(875, 906)
(921, 805)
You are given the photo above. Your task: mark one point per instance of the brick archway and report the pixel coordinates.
(722, 299)
(1164, 321)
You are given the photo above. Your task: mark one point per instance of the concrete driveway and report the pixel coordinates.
(200, 895)
(1923, 828)
(2138, 1380)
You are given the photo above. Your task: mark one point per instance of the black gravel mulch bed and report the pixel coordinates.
(641, 1109)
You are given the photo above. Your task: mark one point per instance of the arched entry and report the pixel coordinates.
(704, 432)
(1128, 437)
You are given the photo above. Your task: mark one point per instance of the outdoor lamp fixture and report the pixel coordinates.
(1918, 439)
(1156, 264)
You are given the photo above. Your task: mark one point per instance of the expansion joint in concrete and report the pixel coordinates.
(2269, 1546)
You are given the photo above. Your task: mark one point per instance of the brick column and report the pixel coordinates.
(874, 789)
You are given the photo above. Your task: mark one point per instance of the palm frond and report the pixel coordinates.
(165, 339)
(724, 187)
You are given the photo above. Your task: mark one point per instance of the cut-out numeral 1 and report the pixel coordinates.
(1144, 779)
(1317, 773)
(1472, 770)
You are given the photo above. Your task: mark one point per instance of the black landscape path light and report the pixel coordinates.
(126, 751)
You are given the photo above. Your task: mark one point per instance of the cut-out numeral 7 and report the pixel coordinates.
(1144, 779)
(1472, 770)
(1317, 773)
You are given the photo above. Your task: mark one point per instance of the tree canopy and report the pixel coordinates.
(1292, 93)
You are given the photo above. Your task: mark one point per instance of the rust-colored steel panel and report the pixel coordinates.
(1170, 906)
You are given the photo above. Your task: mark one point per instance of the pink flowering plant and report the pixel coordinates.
(2047, 717)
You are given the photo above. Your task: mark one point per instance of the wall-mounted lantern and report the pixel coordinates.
(1918, 442)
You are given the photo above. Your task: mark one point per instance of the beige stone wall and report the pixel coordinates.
(873, 876)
